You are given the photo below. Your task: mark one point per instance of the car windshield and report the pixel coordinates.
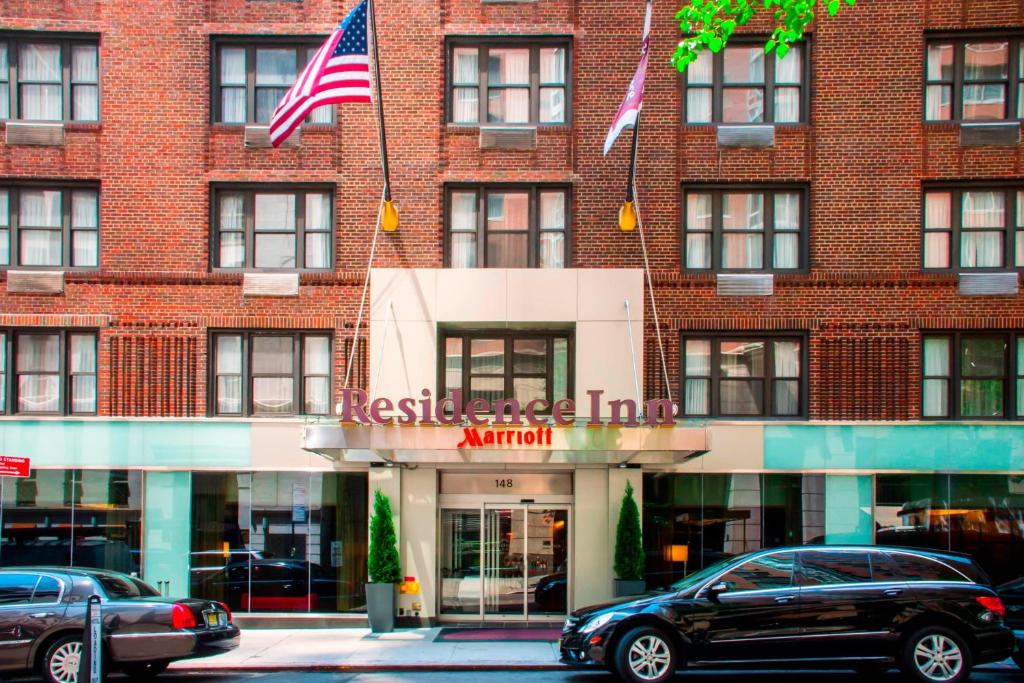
(704, 574)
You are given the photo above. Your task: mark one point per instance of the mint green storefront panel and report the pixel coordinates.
(168, 531)
(141, 443)
(848, 509)
(922, 447)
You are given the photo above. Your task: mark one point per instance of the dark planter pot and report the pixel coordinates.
(624, 588)
(380, 606)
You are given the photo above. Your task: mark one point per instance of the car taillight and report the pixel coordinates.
(182, 617)
(992, 604)
(226, 610)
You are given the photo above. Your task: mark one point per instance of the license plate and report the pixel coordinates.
(213, 619)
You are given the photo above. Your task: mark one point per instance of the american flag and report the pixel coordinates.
(338, 72)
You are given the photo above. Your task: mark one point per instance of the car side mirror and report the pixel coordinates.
(717, 589)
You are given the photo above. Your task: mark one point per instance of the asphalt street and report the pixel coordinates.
(1004, 675)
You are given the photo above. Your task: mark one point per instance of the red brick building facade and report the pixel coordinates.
(875, 124)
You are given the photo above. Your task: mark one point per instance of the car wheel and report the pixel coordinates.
(144, 670)
(645, 655)
(936, 655)
(62, 659)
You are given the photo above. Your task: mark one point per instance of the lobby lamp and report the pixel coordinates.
(678, 553)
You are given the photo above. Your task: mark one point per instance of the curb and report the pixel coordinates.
(366, 668)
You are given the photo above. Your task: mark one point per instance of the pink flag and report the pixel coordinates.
(634, 102)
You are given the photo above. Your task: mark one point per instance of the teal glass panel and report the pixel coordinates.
(848, 517)
(113, 444)
(167, 532)
(913, 447)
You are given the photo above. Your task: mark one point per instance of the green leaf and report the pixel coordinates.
(715, 43)
(770, 45)
(782, 50)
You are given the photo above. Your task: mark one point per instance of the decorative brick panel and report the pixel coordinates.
(862, 378)
(153, 375)
(360, 376)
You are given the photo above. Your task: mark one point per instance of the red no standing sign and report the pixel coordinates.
(12, 466)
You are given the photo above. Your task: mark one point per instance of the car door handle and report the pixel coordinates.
(784, 599)
(892, 592)
(42, 615)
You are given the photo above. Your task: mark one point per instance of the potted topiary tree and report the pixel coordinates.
(383, 566)
(629, 552)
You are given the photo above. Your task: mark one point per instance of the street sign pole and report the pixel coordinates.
(90, 666)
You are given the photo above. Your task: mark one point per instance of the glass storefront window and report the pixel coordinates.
(691, 521)
(82, 518)
(280, 541)
(981, 515)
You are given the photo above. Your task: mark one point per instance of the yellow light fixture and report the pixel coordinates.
(389, 219)
(677, 553)
(627, 217)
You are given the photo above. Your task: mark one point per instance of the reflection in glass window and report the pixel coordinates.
(971, 80)
(271, 374)
(691, 521)
(977, 514)
(743, 377)
(973, 227)
(517, 84)
(280, 541)
(507, 227)
(828, 567)
(741, 84)
(971, 375)
(764, 573)
(250, 80)
(757, 229)
(528, 366)
(81, 518)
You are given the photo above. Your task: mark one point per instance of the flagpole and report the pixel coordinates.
(389, 218)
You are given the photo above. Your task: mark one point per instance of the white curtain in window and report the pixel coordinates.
(698, 105)
(39, 70)
(697, 400)
(317, 361)
(467, 65)
(510, 66)
(935, 400)
(786, 250)
(984, 209)
(464, 211)
(85, 83)
(39, 63)
(552, 211)
(983, 249)
(40, 208)
(938, 210)
(552, 65)
(83, 360)
(786, 358)
(232, 73)
(463, 229)
(552, 250)
(787, 105)
(787, 211)
(5, 233)
(229, 363)
(466, 105)
(38, 353)
(789, 69)
(84, 209)
(5, 102)
(701, 70)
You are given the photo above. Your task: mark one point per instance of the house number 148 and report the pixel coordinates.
(503, 483)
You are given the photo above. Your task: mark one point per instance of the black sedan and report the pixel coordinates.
(864, 608)
(1012, 594)
(42, 616)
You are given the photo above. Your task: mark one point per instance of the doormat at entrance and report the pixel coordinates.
(489, 635)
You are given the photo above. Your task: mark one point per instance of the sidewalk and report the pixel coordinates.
(352, 649)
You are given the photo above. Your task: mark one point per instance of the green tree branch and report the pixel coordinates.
(708, 24)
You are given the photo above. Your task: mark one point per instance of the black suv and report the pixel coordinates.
(862, 608)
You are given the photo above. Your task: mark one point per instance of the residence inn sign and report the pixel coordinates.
(450, 430)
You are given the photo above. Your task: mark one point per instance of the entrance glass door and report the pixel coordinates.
(505, 561)
(525, 561)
